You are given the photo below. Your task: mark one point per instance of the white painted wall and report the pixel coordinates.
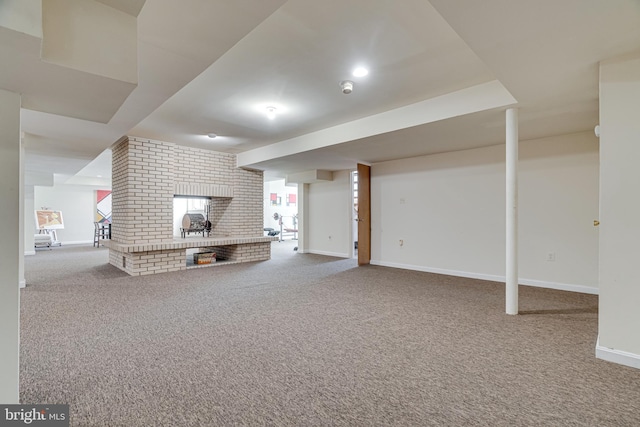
(78, 206)
(449, 211)
(619, 313)
(329, 216)
(558, 202)
(9, 246)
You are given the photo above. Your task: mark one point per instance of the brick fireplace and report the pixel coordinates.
(146, 176)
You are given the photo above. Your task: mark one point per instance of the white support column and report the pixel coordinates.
(29, 222)
(21, 279)
(512, 211)
(303, 218)
(9, 246)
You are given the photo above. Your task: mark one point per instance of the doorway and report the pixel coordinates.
(281, 216)
(354, 214)
(363, 219)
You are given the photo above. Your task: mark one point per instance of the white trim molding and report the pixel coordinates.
(560, 286)
(443, 271)
(77, 242)
(333, 254)
(491, 277)
(617, 356)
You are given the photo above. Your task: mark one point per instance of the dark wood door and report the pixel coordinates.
(364, 214)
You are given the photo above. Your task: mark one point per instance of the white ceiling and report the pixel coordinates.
(214, 65)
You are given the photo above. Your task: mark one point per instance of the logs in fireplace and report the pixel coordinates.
(195, 223)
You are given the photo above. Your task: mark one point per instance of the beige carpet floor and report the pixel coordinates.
(309, 340)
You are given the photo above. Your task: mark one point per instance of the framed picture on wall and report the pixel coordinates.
(49, 220)
(275, 199)
(103, 206)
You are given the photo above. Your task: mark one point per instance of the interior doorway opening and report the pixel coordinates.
(281, 215)
(354, 214)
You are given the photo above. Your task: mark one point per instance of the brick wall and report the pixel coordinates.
(244, 253)
(246, 207)
(204, 166)
(142, 191)
(221, 216)
(148, 262)
(147, 174)
(121, 207)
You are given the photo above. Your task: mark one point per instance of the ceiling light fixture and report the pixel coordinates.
(360, 72)
(271, 112)
(212, 135)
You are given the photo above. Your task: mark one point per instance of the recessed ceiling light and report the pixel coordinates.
(360, 72)
(211, 135)
(271, 112)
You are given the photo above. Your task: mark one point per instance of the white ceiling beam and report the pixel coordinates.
(477, 98)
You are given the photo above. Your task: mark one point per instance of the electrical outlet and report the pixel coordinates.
(551, 256)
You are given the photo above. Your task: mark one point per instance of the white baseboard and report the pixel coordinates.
(27, 253)
(617, 356)
(333, 254)
(443, 271)
(491, 277)
(560, 286)
(77, 242)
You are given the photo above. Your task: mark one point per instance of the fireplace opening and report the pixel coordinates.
(201, 214)
(191, 215)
